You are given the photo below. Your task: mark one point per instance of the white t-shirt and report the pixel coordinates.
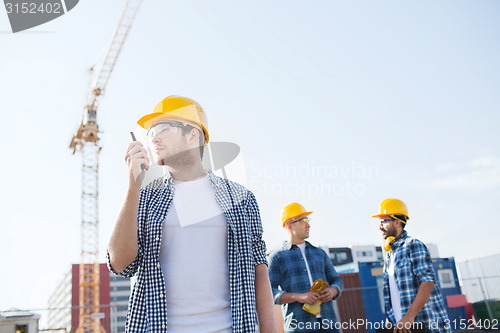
(394, 290)
(302, 248)
(194, 261)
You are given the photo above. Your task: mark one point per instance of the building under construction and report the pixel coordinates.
(114, 292)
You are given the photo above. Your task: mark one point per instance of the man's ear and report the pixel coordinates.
(400, 223)
(194, 135)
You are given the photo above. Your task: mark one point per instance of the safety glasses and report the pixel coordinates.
(163, 128)
(304, 220)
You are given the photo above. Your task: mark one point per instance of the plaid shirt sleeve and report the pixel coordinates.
(275, 277)
(258, 244)
(421, 261)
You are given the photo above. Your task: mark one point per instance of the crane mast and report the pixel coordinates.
(86, 141)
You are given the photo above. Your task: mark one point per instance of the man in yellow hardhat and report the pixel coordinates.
(411, 291)
(194, 239)
(295, 268)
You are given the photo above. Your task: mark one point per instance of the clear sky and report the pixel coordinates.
(335, 104)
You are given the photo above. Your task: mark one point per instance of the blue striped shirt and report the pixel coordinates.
(147, 306)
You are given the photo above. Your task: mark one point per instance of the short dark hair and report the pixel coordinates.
(403, 218)
(186, 129)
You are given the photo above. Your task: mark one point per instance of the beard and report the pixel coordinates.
(390, 232)
(182, 158)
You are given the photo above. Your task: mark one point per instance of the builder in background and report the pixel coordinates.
(411, 292)
(194, 239)
(293, 270)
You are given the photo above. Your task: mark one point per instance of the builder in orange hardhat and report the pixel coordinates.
(193, 238)
(294, 268)
(411, 291)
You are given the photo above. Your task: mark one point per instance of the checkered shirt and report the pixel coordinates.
(412, 267)
(147, 305)
(287, 270)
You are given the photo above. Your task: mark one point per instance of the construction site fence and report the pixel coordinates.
(482, 288)
(476, 289)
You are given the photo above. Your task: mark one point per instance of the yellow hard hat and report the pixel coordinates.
(392, 207)
(180, 108)
(293, 210)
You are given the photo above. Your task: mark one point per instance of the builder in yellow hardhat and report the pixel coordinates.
(193, 238)
(294, 268)
(411, 290)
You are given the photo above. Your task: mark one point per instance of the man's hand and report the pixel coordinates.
(123, 243)
(136, 155)
(404, 325)
(423, 293)
(309, 298)
(327, 294)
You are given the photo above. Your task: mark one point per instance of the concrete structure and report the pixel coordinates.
(17, 321)
(119, 294)
(61, 300)
(114, 293)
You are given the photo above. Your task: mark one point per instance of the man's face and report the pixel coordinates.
(388, 226)
(299, 227)
(169, 146)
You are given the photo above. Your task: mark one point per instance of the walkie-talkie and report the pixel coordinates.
(134, 139)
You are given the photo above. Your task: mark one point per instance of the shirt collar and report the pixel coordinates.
(400, 239)
(215, 180)
(288, 246)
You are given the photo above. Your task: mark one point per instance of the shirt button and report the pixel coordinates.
(305, 270)
(301, 258)
(161, 295)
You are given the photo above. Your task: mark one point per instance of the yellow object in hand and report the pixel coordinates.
(315, 309)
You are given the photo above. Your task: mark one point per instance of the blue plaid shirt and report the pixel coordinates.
(412, 267)
(288, 271)
(147, 306)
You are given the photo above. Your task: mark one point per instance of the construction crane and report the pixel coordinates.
(86, 141)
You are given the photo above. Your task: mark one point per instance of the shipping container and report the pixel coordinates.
(350, 305)
(371, 279)
(446, 273)
(370, 276)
